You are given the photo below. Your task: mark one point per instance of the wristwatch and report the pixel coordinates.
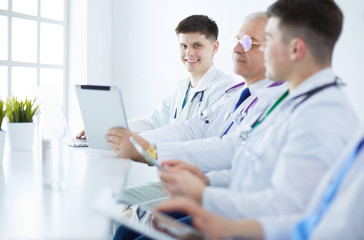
(152, 151)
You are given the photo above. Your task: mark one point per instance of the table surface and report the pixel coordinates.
(28, 209)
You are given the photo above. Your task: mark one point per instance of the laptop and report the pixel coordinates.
(101, 108)
(52, 118)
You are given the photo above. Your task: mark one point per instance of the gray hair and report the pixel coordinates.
(257, 16)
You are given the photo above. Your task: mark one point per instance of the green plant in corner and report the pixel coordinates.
(21, 111)
(2, 112)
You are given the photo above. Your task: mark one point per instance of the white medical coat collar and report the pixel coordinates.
(258, 85)
(237, 86)
(206, 79)
(318, 79)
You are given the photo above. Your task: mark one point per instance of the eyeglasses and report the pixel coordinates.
(247, 42)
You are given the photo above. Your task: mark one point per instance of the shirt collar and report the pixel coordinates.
(253, 88)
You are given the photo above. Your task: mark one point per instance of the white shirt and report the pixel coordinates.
(207, 152)
(276, 169)
(345, 217)
(211, 87)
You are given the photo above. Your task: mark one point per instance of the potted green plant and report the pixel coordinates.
(21, 126)
(2, 132)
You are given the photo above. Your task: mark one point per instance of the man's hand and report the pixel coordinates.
(178, 164)
(118, 139)
(182, 182)
(81, 135)
(214, 226)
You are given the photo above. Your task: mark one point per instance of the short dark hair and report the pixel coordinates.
(317, 22)
(199, 23)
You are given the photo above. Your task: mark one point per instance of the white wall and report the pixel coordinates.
(90, 47)
(348, 60)
(77, 59)
(99, 42)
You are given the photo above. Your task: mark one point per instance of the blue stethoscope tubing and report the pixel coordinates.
(201, 98)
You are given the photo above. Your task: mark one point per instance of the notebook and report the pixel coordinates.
(101, 108)
(52, 118)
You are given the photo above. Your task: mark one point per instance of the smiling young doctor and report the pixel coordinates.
(299, 137)
(197, 36)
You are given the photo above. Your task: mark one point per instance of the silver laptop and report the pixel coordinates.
(101, 108)
(77, 142)
(52, 118)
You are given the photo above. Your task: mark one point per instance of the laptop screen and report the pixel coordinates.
(53, 121)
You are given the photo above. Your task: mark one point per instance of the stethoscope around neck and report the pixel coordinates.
(301, 98)
(194, 96)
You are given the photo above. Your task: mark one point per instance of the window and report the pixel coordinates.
(33, 47)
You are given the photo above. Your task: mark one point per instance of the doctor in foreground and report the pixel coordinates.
(335, 210)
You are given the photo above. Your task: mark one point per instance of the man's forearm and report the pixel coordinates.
(246, 229)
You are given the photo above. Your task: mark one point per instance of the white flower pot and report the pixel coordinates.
(2, 143)
(21, 136)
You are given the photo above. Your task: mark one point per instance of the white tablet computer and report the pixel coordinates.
(161, 226)
(101, 108)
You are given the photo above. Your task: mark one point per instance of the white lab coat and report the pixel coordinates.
(276, 169)
(212, 86)
(345, 217)
(205, 148)
(196, 127)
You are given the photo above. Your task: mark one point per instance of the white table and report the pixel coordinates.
(30, 210)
